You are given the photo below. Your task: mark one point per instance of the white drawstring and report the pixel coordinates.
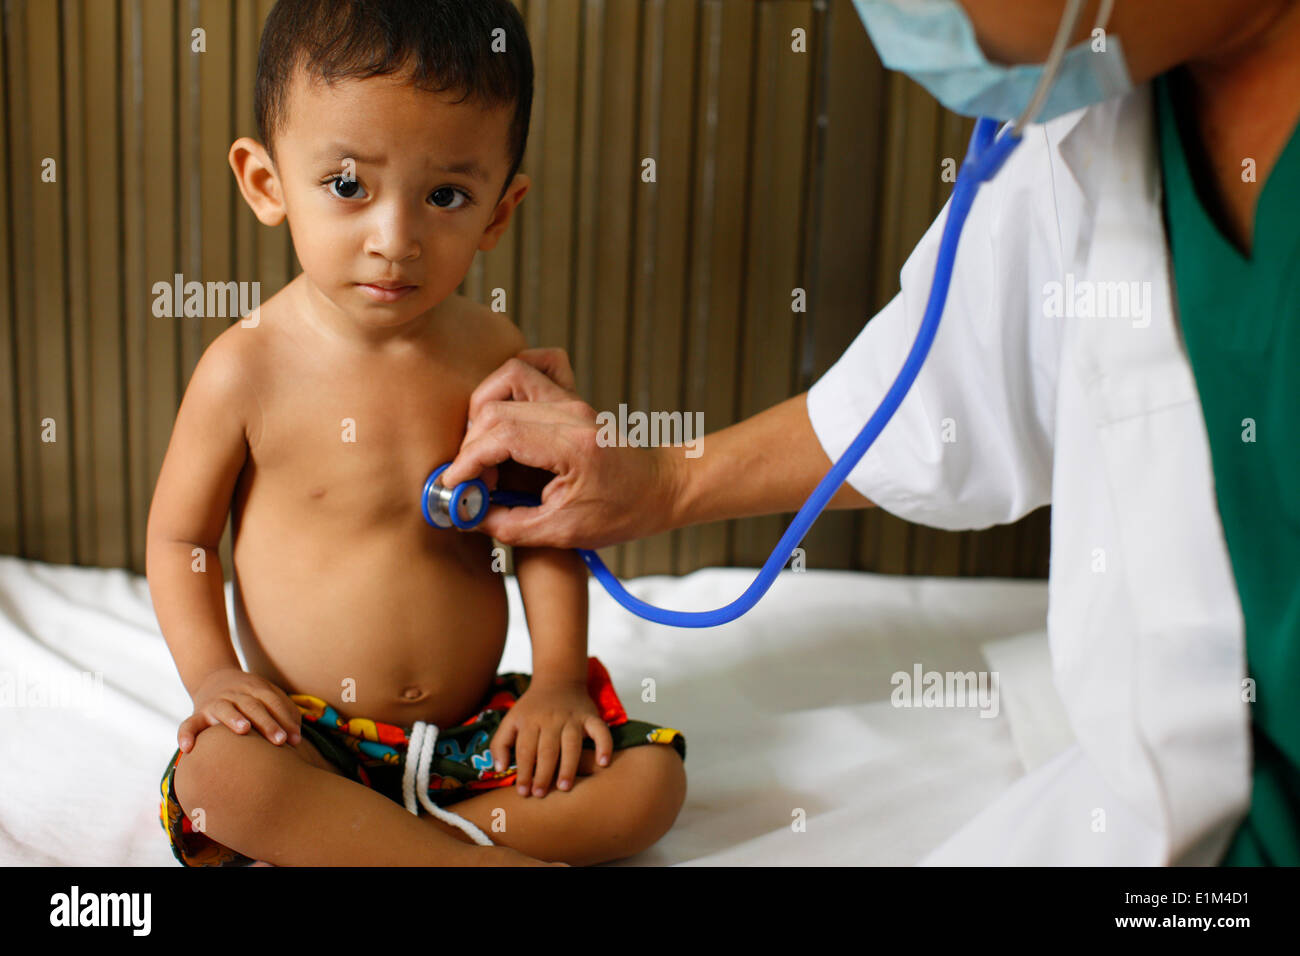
(415, 782)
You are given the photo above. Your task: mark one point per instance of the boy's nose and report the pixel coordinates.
(394, 236)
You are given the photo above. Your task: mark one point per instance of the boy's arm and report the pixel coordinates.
(553, 585)
(548, 723)
(191, 502)
(552, 581)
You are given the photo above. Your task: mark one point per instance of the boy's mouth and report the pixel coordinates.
(386, 291)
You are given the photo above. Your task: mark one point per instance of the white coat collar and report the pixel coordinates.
(1076, 136)
(1132, 363)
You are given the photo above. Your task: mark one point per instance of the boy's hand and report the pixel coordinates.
(238, 699)
(547, 725)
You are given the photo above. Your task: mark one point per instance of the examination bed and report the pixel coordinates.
(796, 754)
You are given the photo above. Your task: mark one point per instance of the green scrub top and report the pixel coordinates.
(1240, 319)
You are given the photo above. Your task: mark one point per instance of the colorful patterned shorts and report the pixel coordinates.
(374, 753)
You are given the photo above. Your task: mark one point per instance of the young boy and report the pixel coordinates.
(392, 145)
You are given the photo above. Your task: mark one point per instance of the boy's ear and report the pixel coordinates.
(501, 217)
(257, 180)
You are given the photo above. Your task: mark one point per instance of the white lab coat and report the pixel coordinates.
(1101, 418)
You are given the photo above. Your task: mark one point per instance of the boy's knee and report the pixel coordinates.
(657, 795)
(213, 773)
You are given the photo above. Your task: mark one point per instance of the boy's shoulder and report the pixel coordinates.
(494, 337)
(229, 360)
(254, 346)
(225, 379)
(222, 364)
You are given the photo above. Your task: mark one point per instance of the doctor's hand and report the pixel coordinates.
(527, 412)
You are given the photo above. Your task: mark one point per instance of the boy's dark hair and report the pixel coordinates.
(448, 44)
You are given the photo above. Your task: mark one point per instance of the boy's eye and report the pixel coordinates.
(442, 197)
(347, 188)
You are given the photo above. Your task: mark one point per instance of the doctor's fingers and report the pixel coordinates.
(569, 410)
(547, 526)
(532, 375)
(533, 438)
(600, 496)
(554, 362)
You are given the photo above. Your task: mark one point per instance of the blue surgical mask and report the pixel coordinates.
(933, 42)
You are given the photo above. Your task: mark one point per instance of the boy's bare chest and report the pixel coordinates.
(362, 436)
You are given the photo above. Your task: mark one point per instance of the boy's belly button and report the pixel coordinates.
(414, 693)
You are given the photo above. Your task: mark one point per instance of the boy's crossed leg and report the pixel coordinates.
(609, 813)
(289, 806)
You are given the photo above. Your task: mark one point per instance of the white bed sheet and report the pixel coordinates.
(787, 708)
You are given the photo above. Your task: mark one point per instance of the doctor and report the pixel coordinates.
(1121, 340)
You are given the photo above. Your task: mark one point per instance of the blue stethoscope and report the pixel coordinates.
(465, 505)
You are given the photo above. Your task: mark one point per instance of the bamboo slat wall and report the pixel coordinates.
(776, 169)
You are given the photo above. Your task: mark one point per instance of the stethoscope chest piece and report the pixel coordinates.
(463, 506)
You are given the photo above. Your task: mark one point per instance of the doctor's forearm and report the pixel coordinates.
(767, 464)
